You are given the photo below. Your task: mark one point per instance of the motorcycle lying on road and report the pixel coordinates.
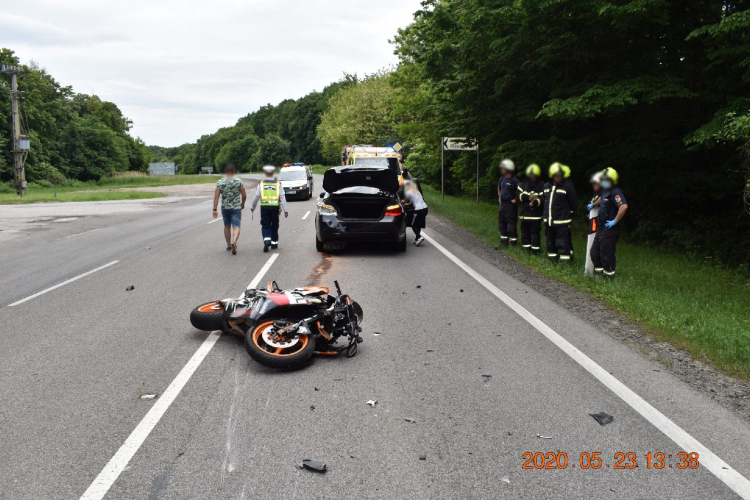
(284, 328)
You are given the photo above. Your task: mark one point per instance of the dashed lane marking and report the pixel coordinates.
(306, 214)
(71, 280)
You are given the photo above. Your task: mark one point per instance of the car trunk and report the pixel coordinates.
(340, 178)
(360, 207)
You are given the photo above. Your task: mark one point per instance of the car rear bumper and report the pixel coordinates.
(331, 228)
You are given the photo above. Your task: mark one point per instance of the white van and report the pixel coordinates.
(297, 181)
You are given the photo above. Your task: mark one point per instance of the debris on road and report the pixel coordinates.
(430, 350)
(411, 420)
(131, 287)
(461, 290)
(423, 457)
(419, 286)
(602, 418)
(147, 248)
(312, 407)
(543, 437)
(505, 479)
(372, 403)
(148, 396)
(312, 465)
(487, 377)
(376, 332)
(316, 389)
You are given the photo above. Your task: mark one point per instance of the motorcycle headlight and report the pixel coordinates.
(324, 209)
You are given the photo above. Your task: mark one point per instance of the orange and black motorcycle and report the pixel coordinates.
(284, 328)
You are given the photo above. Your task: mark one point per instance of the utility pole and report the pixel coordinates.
(19, 143)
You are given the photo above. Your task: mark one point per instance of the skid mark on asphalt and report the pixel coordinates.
(320, 270)
(718, 467)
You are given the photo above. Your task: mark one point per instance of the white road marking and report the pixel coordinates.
(305, 216)
(733, 479)
(263, 271)
(132, 444)
(215, 220)
(207, 201)
(78, 234)
(62, 284)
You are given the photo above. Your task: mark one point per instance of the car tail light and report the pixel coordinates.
(393, 210)
(326, 209)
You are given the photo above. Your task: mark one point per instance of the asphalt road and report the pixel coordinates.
(75, 360)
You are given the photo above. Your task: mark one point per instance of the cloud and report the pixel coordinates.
(183, 68)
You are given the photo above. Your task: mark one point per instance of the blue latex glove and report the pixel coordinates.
(589, 207)
(610, 224)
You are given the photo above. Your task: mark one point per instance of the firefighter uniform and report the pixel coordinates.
(560, 201)
(603, 250)
(507, 217)
(531, 213)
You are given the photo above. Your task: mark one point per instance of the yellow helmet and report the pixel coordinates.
(555, 168)
(533, 169)
(566, 170)
(611, 174)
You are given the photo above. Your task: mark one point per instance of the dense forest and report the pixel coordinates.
(74, 137)
(658, 89)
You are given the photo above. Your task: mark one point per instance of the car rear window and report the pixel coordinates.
(377, 161)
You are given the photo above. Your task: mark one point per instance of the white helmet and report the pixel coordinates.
(269, 169)
(508, 165)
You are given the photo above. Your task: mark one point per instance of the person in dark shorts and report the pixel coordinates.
(233, 197)
(414, 200)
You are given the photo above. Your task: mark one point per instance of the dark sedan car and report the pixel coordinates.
(360, 204)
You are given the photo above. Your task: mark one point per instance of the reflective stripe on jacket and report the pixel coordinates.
(530, 210)
(560, 201)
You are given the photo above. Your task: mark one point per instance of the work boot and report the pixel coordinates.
(534, 251)
(513, 242)
(266, 244)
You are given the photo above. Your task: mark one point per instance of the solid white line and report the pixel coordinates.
(733, 479)
(215, 220)
(120, 460)
(305, 216)
(62, 284)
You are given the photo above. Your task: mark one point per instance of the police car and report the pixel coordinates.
(297, 181)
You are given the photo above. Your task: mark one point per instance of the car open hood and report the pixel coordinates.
(383, 179)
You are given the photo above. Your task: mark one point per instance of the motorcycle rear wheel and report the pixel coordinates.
(297, 354)
(208, 316)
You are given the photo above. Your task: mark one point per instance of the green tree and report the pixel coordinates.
(358, 114)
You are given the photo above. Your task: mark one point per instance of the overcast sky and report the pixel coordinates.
(181, 69)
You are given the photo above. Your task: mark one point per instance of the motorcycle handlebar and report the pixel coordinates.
(338, 288)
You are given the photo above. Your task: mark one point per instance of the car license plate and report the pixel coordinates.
(291, 192)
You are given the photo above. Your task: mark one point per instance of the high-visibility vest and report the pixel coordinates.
(269, 194)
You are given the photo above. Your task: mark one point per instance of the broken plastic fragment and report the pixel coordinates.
(411, 420)
(430, 350)
(312, 407)
(543, 437)
(372, 403)
(419, 286)
(602, 418)
(505, 479)
(423, 457)
(462, 290)
(131, 287)
(148, 396)
(376, 332)
(312, 465)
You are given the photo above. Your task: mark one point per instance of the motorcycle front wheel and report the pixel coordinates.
(265, 346)
(208, 317)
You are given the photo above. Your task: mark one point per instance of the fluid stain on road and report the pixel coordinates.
(320, 270)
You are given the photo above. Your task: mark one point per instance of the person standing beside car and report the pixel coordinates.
(507, 217)
(233, 197)
(418, 214)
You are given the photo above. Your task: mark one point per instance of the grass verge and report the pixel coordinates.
(688, 301)
(96, 191)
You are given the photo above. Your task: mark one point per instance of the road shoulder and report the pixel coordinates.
(729, 392)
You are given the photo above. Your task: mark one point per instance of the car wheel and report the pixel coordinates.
(401, 245)
(319, 245)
